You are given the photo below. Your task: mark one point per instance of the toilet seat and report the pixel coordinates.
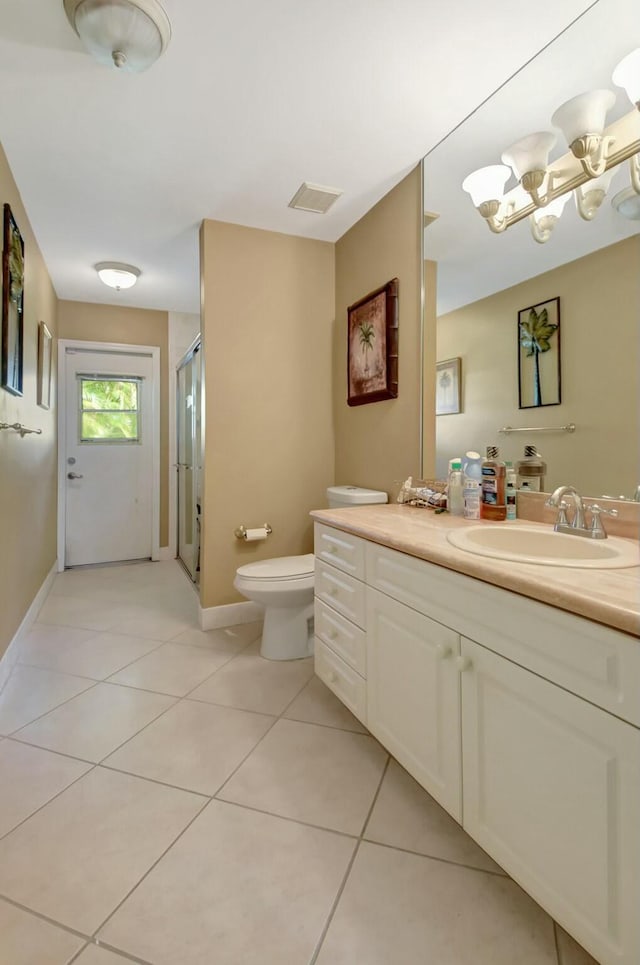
(282, 569)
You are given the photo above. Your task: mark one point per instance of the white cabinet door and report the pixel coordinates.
(552, 792)
(413, 695)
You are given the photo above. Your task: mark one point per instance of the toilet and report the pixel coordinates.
(284, 586)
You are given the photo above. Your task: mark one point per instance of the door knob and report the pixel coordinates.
(75, 475)
(463, 663)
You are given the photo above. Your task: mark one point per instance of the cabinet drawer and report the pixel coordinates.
(340, 549)
(590, 660)
(346, 684)
(344, 637)
(341, 592)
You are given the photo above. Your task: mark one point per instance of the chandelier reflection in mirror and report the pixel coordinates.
(586, 170)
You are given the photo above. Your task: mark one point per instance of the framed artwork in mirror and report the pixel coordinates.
(45, 345)
(539, 355)
(372, 346)
(448, 387)
(12, 302)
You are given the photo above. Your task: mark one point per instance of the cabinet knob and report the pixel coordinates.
(332, 677)
(443, 650)
(463, 663)
(332, 591)
(332, 634)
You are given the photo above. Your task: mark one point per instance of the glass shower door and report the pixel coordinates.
(189, 462)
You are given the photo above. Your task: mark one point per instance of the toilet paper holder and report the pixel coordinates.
(242, 532)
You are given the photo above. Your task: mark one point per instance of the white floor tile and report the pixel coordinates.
(79, 856)
(226, 640)
(239, 888)
(28, 940)
(172, 669)
(31, 692)
(399, 907)
(193, 745)
(317, 705)
(405, 816)
(314, 774)
(29, 777)
(93, 724)
(81, 652)
(94, 955)
(153, 623)
(250, 682)
(70, 611)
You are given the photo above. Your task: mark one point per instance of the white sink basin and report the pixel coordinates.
(528, 544)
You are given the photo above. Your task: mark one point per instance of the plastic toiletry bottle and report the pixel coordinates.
(455, 488)
(511, 492)
(531, 470)
(494, 503)
(472, 469)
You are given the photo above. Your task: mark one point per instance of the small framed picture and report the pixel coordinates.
(45, 344)
(448, 391)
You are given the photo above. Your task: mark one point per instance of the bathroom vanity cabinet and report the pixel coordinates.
(521, 720)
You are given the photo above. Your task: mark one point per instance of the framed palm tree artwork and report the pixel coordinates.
(539, 380)
(12, 302)
(448, 387)
(372, 346)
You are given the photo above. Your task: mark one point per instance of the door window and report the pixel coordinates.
(109, 409)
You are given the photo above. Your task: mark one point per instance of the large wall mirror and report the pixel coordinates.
(481, 284)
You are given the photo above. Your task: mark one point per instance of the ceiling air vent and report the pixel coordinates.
(314, 197)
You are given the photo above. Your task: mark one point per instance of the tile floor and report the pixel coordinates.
(169, 797)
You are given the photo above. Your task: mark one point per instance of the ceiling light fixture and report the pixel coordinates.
(128, 34)
(116, 275)
(595, 153)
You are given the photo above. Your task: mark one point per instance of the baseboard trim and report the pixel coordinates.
(10, 656)
(230, 615)
(166, 553)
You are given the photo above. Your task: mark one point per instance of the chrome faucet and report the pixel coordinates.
(578, 525)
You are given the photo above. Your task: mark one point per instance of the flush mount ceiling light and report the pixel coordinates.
(128, 34)
(116, 275)
(595, 151)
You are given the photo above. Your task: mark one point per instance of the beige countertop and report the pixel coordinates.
(611, 596)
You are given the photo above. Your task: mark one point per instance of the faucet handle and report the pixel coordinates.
(596, 528)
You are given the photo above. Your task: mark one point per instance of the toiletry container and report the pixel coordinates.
(511, 492)
(531, 470)
(472, 485)
(455, 488)
(494, 505)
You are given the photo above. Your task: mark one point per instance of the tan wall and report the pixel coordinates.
(268, 303)
(129, 326)
(429, 370)
(28, 477)
(379, 442)
(599, 312)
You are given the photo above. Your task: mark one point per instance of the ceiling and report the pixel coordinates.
(472, 261)
(249, 100)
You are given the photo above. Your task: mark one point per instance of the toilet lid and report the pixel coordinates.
(281, 568)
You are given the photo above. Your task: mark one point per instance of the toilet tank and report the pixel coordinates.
(353, 496)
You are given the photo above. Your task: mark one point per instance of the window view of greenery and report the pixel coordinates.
(109, 410)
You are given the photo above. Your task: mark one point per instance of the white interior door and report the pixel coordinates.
(109, 430)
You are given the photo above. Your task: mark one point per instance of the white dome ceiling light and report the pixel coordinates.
(127, 34)
(116, 275)
(627, 203)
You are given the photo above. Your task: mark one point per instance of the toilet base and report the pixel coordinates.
(287, 633)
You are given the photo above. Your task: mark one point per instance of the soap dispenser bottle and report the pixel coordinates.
(494, 503)
(455, 488)
(472, 484)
